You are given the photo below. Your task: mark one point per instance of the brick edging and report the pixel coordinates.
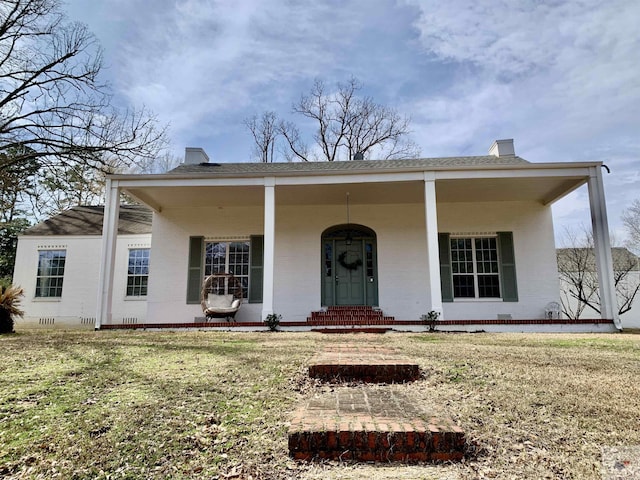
(391, 324)
(588, 321)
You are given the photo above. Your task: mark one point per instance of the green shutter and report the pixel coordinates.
(446, 279)
(508, 281)
(255, 272)
(196, 269)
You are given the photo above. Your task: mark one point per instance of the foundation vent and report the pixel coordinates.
(129, 320)
(87, 320)
(46, 321)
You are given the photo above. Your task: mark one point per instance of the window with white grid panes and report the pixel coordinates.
(138, 272)
(228, 257)
(50, 273)
(474, 265)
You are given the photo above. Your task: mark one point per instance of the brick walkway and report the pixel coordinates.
(365, 423)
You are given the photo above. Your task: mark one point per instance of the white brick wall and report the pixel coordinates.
(402, 261)
(536, 268)
(80, 284)
(170, 250)
(401, 237)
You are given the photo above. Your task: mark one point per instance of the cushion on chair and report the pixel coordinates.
(235, 303)
(219, 301)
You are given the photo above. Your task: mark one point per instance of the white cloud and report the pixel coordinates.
(560, 77)
(212, 59)
(572, 67)
(464, 120)
(560, 59)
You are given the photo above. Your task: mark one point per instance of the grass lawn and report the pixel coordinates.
(133, 404)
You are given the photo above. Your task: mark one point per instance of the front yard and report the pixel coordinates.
(135, 404)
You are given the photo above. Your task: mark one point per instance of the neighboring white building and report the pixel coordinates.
(58, 266)
(468, 237)
(577, 268)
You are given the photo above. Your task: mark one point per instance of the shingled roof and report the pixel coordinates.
(569, 259)
(87, 220)
(355, 165)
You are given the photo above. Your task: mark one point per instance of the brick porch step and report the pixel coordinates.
(371, 425)
(349, 315)
(356, 329)
(352, 362)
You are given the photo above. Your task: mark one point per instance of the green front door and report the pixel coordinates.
(350, 286)
(349, 266)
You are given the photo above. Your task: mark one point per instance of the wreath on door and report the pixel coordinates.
(349, 265)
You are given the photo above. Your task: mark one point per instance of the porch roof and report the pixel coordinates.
(458, 179)
(343, 166)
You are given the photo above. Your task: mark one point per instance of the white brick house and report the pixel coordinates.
(469, 237)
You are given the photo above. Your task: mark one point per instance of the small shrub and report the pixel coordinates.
(430, 319)
(9, 307)
(272, 321)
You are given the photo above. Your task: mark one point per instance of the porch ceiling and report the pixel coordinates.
(187, 196)
(540, 189)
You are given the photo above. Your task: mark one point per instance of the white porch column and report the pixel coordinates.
(269, 245)
(108, 256)
(433, 252)
(602, 245)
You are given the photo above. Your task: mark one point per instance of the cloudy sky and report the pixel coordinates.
(562, 78)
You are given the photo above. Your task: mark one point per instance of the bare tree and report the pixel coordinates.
(631, 220)
(59, 134)
(51, 99)
(346, 125)
(17, 184)
(264, 131)
(578, 281)
(62, 187)
(579, 287)
(295, 148)
(161, 164)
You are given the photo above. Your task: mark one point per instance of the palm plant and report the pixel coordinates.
(9, 307)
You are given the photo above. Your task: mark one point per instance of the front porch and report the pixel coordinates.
(470, 240)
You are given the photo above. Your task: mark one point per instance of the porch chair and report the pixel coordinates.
(221, 296)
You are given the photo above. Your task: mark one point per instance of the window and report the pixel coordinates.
(474, 265)
(138, 272)
(50, 273)
(228, 257)
(368, 250)
(328, 259)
